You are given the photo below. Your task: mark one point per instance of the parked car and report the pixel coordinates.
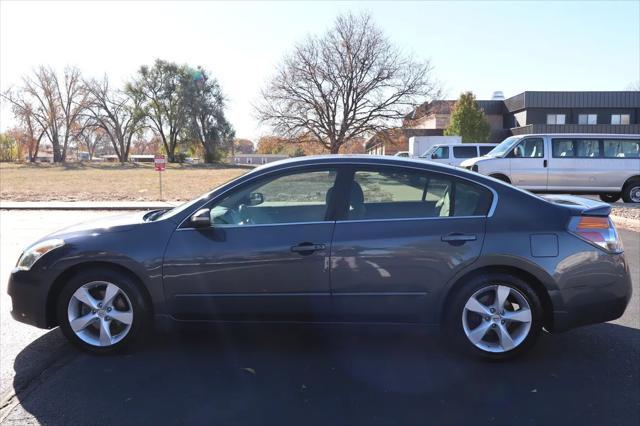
(454, 154)
(335, 238)
(605, 165)
(402, 154)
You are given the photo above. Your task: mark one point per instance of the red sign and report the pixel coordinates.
(160, 162)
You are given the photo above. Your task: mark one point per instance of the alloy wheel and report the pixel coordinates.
(634, 194)
(100, 313)
(497, 318)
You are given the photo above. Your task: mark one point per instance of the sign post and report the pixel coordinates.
(160, 163)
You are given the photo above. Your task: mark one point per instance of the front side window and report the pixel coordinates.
(588, 119)
(441, 153)
(620, 118)
(575, 148)
(530, 148)
(618, 148)
(465, 151)
(291, 198)
(399, 194)
(555, 118)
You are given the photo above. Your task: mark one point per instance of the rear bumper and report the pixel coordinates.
(28, 298)
(594, 303)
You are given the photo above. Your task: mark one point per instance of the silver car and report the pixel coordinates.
(606, 165)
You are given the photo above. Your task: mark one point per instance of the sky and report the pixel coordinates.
(477, 46)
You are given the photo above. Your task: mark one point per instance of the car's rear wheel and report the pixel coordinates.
(496, 316)
(631, 191)
(610, 198)
(102, 311)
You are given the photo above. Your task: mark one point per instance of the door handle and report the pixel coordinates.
(544, 163)
(307, 248)
(458, 238)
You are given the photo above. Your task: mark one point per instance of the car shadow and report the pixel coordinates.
(332, 375)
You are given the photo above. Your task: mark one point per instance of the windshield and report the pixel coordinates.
(504, 147)
(429, 151)
(182, 207)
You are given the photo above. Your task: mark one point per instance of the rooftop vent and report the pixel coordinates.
(497, 96)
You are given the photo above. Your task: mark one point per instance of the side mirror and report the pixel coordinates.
(201, 218)
(256, 198)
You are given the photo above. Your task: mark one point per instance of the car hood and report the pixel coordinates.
(471, 161)
(103, 225)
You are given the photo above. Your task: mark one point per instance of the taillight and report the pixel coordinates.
(598, 231)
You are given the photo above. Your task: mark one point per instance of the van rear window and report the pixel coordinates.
(575, 148)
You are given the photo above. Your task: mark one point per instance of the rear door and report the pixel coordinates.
(528, 163)
(404, 236)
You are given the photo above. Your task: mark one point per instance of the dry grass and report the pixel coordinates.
(109, 182)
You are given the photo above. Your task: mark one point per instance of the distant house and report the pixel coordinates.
(257, 159)
(141, 158)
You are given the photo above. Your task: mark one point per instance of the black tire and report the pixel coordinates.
(629, 189)
(454, 328)
(610, 198)
(141, 313)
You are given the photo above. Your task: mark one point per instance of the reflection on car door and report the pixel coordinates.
(401, 241)
(268, 261)
(528, 164)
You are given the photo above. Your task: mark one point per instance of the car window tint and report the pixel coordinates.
(398, 194)
(530, 148)
(291, 198)
(621, 148)
(465, 151)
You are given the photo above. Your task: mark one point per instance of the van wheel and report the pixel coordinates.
(503, 178)
(495, 316)
(631, 191)
(610, 198)
(102, 311)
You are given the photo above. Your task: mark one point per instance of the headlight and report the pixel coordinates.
(31, 255)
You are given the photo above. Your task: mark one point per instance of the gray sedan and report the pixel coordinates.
(335, 239)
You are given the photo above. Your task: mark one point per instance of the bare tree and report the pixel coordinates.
(350, 82)
(32, 130)
(56, 104)
(634, 87)
(117, 113)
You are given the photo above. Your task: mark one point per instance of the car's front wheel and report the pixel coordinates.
(496, 316)
(102, 311)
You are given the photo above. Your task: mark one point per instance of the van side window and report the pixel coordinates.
(622, 148)
(484, 150)
(530, 148)
(575, 148)
(442, 153)
(465, 151)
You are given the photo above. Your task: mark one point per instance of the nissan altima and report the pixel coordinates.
(335, 239)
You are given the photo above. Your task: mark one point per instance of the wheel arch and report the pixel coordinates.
(500, 176)
(630, 179)
(63, 278)
(536, 284)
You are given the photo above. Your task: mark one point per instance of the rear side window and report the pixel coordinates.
(465, 151)
(575, 148)
(400, 194)
(621, 148)
(484, 150)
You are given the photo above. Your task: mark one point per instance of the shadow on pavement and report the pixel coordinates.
(331, 375)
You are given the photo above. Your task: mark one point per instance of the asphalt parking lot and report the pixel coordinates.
(370, 375)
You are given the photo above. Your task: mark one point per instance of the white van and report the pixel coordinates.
(607, 165)
(454, 154)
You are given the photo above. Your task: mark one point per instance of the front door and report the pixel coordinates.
(265, 255)
(405, 235)
(528, 164)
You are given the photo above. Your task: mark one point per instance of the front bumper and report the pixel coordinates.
(27, 290)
